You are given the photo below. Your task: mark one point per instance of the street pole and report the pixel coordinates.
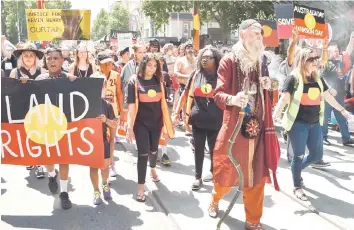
(179, 31)
(18, 23)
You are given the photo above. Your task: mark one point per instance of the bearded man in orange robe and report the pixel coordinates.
(244, 61)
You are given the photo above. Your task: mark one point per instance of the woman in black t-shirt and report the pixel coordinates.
(146, 121)
(204, 116)
(304, 117)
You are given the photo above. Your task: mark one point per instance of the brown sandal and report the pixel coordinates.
(213, 209)
(250, 226)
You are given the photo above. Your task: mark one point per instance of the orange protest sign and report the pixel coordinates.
(77, 146)
(121, 131)
(310, 22)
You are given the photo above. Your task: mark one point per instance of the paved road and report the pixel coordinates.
(26, 202)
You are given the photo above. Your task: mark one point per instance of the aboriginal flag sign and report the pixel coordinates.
(270, 35)
(310, 22)
(51, 122)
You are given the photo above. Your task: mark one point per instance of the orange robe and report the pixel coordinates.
(249, 153)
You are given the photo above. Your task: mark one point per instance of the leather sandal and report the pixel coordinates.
(250, 226)
(213, 209)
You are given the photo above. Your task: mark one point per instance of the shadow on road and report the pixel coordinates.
(235, 224)
(188, 205)
(326, 204)
(41, 185)
(111, 216)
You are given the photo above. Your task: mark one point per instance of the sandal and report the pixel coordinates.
(197, 184)
(155, 178)
(141, 198)
(300, 194)
(213, 209)
(250, 226)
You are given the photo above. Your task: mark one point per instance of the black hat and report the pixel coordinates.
(154, 42)
(123, 51)
(28, 47)
(104, 57)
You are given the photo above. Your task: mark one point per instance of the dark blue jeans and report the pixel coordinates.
(301, 135)
(342, 122)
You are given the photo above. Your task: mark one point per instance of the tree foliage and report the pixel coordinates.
(229, 14)
(117, 19)
(13, 12)
(100, 25)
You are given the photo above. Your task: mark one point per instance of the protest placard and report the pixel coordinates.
(48, 25)
(270, 35)
(285, 20)
(51, 122)
(310, 22)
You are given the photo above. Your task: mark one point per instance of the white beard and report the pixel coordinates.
(249, 56)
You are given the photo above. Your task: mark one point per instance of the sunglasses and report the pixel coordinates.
(312, 59)
(207, 58)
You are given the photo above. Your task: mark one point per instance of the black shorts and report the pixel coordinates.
(147, 141)
(107, 152)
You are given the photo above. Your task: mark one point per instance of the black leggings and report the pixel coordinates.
(147, 142)
(200, 135)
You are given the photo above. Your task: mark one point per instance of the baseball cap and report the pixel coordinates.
(123, 51)
(104, 57)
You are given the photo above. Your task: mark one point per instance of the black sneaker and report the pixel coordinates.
(39, 172)
(30, 167)
(320, 164)
(349, 142)
(53, 183)
(285, 135)
(326, 142)
(65, 201)
(165, 160)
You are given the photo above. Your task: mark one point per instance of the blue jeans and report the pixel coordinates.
(300, 135)
(342, 122)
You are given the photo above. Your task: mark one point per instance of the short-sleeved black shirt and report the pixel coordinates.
(149, 94)
(205, 113)
(309, 110)
(107, 110)
(333, 73)
(8, 64)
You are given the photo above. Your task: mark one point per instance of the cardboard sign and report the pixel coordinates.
(51, 122)
(48, 25)
(310, 22)
(270, 36)
(317, 43)
(285, 20)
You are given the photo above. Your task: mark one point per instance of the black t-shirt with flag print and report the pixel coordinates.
(149, 112)
(309, 110)
(205, 113)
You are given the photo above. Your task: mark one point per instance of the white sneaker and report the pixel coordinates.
(112, 171)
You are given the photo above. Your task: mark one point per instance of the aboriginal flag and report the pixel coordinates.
(270, 35)
(52, 121)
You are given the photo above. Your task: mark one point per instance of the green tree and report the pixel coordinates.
(117, 19)
(229, 14)
(100, 26)
(14, 16)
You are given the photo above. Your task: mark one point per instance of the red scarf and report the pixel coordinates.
(272, 147)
